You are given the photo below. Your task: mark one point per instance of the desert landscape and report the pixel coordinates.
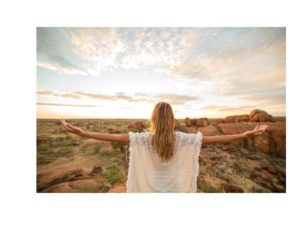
(68, 163)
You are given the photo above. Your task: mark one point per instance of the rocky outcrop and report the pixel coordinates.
(237, 118)
(119, 188)
(200, 122)
(257, 115)
(188, 122)
(217, 121)
(272, 141)
(226, 168)
(214, 184)
(211, 130)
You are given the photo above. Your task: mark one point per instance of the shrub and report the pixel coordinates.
(118, 146)
(103, 188)
(114, 174)
(43, 148)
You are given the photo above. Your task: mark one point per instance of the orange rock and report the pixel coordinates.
(257, 115)
(236, 128)
(210, 131)
(237, 118)
(187, 122)
(119, 188)
(230, 119)
(194, 122)
(202, 122)
(256, 111)
(217, 121)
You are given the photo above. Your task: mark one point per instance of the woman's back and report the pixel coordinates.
(148, 173)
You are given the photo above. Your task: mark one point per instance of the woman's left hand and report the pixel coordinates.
(258, 130)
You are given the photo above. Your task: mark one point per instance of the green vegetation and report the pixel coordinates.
(118, 146)
(103, 188)
(114, 174)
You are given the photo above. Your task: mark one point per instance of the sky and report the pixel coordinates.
(122, 72)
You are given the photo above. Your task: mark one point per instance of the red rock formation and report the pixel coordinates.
(119, 188)
(217, 121)
(210, 131)
(272, 142)
(187, 122)
(202, 122)
(257, 115)
(237, 118)
(194, 122)
(214, 184)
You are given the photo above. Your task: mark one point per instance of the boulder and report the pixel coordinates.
(188, 122)
(256, 111)
(210, 130)
(237, 118)
(119, 188)
(194, 122)
(202, 122)
(272, 142)
(230, 119)
(257, 115)
(242, 118)
(217, 121)
(236, 128)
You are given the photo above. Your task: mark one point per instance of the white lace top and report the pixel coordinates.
(147, 173)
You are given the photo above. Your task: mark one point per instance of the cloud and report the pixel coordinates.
(245, 64)
(275, 98)
(219, 108)
(95, 50)
(152, 98)
(54, 52)
(57, 104)
(175, 99)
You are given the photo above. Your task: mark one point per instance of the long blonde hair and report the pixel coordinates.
(162, 128)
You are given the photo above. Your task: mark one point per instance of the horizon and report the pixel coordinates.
(201, 72)
(73, 118)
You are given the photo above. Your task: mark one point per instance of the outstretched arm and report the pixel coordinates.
(228, 138)
(121, 138)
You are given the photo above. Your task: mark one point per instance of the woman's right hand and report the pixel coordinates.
(70, 128)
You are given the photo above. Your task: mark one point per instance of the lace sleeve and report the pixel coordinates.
(190, 138)
(132, 139)
(139, 138)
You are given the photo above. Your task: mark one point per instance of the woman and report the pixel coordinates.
(163, 160)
